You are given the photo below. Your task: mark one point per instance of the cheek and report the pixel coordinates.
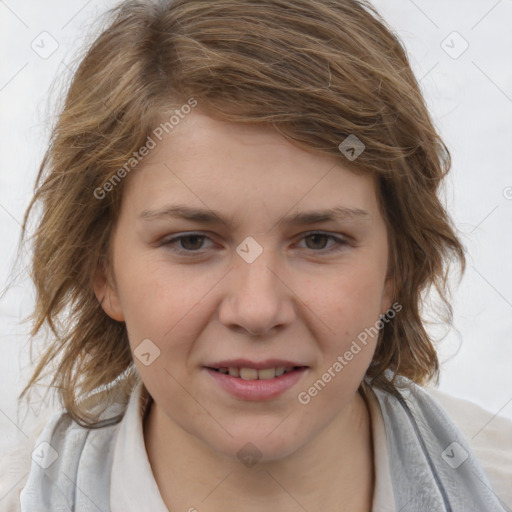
(163, 320)
(157, 303)
(348, 302)
(350, 306)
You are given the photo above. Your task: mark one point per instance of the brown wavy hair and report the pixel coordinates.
(316, 71)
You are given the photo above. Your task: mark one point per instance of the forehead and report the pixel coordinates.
(209, 163)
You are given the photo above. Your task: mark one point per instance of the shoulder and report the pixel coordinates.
(56, 440)
(488, 435)
(43, 443)
(15, 467)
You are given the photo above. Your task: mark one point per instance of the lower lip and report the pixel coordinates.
(264, 389)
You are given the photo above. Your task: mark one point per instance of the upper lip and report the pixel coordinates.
(258, 365)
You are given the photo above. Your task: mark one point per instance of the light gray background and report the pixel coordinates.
(471, 100)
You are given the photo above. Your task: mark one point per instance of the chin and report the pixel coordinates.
(251, 448)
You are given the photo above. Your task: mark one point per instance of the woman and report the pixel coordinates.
(253, 367)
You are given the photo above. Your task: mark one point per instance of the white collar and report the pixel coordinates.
(132, 484)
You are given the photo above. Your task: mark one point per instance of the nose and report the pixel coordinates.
(257, 299)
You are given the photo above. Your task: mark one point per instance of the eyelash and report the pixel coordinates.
(339, 245)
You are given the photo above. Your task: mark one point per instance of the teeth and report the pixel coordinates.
(248, 373)
(234, 372)
(267, 373)
(254, 374)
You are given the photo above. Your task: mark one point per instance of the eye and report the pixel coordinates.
(319, 239)
(191, 243)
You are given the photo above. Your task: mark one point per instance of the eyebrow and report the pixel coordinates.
(339, 213)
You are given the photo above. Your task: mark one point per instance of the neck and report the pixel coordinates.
(334, 471)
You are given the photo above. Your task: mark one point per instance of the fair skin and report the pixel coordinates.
(299, 300)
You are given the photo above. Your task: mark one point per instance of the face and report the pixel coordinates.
(220, 266)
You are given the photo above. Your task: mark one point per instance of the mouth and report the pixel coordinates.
(247, 373)
(250, 381)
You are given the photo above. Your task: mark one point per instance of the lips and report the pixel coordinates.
(250, 386)
(255, 370)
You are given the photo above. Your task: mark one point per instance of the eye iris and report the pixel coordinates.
(192, 237)
(315, 237)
